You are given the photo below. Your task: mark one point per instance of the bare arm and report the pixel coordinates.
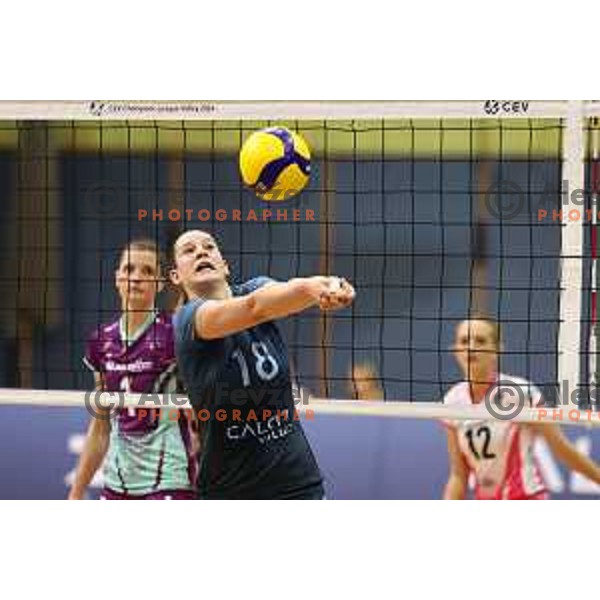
(220, 318)
(564, 451)
(456, 487)
(94, 451)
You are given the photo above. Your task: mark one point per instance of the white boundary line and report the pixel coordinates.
(216, 110)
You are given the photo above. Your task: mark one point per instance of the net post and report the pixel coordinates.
(571, 274)
(594, 135)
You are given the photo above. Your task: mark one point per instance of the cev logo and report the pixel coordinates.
(97, 108)
(512, 107)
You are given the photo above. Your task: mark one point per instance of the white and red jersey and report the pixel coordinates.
(500, 454)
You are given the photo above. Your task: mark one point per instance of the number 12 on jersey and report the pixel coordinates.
(482, 438)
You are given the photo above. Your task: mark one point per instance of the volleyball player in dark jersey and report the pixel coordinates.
(234, 363)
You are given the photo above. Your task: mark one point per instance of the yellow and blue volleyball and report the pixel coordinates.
(275, 163)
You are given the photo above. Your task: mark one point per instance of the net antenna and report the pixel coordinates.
(573, 173)
(594, 134)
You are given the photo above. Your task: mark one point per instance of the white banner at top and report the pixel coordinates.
(283, 110)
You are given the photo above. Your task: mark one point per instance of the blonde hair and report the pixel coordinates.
(493, 324)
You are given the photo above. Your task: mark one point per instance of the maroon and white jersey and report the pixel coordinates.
(150, 451)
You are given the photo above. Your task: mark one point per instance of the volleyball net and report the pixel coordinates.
(433, 210)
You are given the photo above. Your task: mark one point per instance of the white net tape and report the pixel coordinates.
(310, 407)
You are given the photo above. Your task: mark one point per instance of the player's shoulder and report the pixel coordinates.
(251, 285)
(100, 340)
(104, 331)
(162, 334)
(505, 377)
(183, 323)
(163, 319)
(525, 387)
(458, 394)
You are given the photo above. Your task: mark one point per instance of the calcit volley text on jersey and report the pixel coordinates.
(147, 453)
(251, 444)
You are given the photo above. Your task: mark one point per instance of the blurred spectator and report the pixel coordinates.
(365, 382)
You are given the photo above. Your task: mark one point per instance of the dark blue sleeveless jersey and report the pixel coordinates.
(252, 444)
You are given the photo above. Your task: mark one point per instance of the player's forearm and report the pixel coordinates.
(90, 462)
(218, 319)
(455, 489)
(574, 460)
(284, 299)
(94, 451)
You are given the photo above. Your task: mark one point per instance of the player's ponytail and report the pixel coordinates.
(179, 292)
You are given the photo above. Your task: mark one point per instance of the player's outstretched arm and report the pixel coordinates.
(564, 451)
(94, 451)
(456, 487)
(219, 318)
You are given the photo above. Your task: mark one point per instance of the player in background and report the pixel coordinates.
(364, 382)
(500, 454)
(231, 357)
(149, 455)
